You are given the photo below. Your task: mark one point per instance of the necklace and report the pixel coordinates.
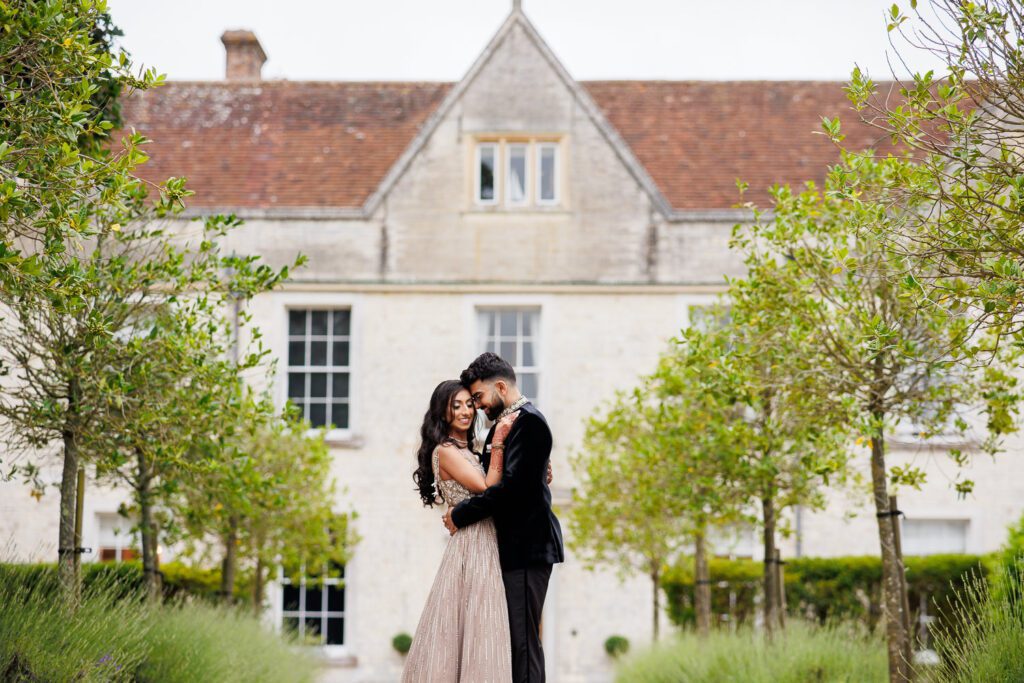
(519, 403)
(458, 442)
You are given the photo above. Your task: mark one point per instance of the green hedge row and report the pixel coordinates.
(824, 589)
(180, 581)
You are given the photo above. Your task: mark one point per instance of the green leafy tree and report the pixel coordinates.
(795, 444)
(874, 345)
(655, 477)
(963, 229)
(263, 493)
(54, 61)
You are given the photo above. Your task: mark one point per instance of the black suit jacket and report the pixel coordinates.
(528, 531)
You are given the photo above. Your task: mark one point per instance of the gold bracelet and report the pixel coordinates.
(497, 447)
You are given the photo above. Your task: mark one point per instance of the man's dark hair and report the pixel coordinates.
(487, 366)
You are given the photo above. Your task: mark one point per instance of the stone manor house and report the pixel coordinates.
(573, 227)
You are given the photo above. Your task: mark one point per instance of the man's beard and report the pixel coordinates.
(497, 407)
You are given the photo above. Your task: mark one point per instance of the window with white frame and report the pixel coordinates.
(517, 172)
(319, 370)
(547, 173)
(934, 536)
(486, 165)
(116, 542)
(314, 608)
(513, 334)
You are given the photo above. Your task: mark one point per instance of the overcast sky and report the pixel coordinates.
(439, 39)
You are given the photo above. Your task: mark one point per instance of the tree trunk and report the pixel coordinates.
(67, 548)
(702, 587)
(772, 619)
(257, 588)
(656, 586)
(144, 478)
(227, 570)
(893, 577)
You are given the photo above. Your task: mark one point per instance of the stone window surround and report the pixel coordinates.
(473, 304)
(534, 143)
(278, 342)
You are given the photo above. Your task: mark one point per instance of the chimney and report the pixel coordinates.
(245, 55)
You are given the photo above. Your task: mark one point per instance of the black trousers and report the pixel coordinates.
(525, 590)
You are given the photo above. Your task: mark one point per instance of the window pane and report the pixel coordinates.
(517, 174)
(492, 346)
(300, 405)
(492, 324)
(297, 323)
(335, 599)
(508, 323)
(339, 385)
(340, 354)
(313, 629)
(342, 323)
(318, 353)
(547, 173)
(528, 359)
(318, 385)
(319, 322)
(290, 624)
(486, 191)
(335, 631)
(296, 384)
(314, 596)
(507, 350)
(529, 322)
(289, 598)
(529, 385)
(339, 415)
(296, 353)
(317, 414)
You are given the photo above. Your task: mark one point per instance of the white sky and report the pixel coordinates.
(439, 39)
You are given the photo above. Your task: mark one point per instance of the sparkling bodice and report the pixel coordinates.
(452, 491)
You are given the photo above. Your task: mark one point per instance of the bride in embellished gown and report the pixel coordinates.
(463, 633)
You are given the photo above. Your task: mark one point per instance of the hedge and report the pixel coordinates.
(180, 581)
(824, 589)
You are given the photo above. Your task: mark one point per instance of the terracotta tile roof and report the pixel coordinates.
(695, 138)
(279, 143)
(329, 144)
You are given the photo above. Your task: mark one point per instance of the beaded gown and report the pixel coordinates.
(463, 634)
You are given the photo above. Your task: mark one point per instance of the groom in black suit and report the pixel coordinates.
(529, 536)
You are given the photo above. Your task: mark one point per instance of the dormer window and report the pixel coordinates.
(517, 172)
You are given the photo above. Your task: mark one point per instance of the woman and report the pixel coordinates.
(463, 632)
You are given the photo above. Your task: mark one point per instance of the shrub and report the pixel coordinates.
(823, 589)
(616, 646)
(987, 647)
(402, 642)
(115, 636)
(803, 652)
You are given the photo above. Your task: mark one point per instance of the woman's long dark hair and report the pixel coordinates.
(435, 431)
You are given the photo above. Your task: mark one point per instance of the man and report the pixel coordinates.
(529, 536)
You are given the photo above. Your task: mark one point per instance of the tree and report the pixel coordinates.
(654, 475)
(873, 344)
(794, 444)
(54, 61)
(263, 493)
(964, 191)
(81, 360)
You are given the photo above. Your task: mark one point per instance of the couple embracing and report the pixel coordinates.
(481, 623)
